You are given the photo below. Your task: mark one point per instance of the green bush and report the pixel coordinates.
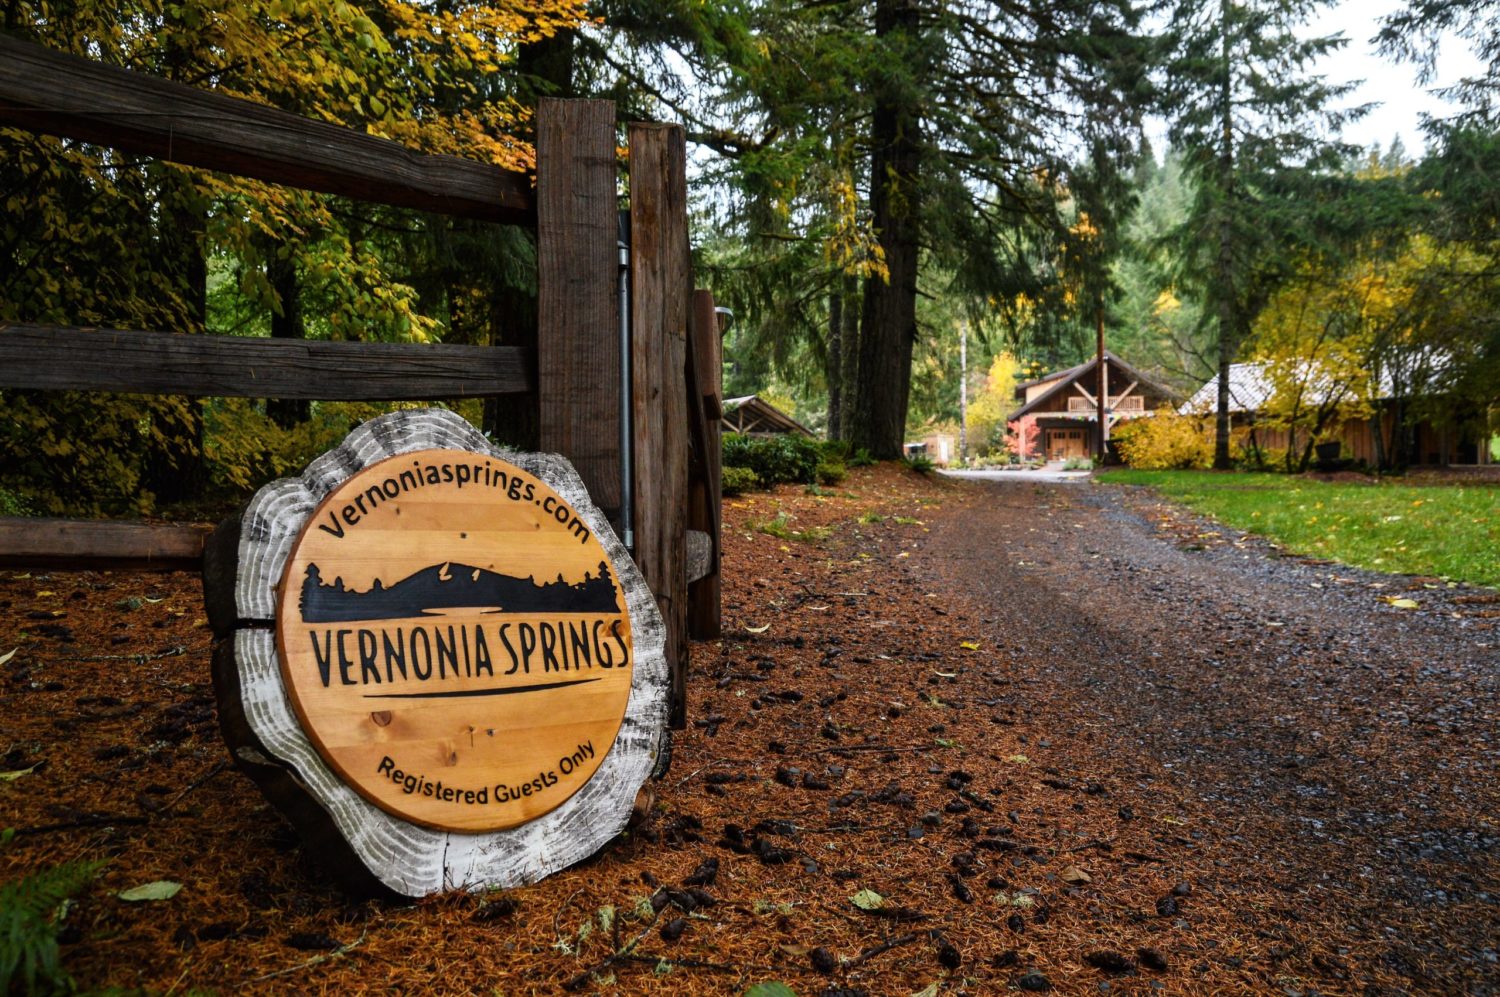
(832, 472)
(919, 462)
(836, 451)
(12, 504)
(738, 480)
(861, 458)
(774, 459)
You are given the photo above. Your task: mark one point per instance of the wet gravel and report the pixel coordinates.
(1346, 751)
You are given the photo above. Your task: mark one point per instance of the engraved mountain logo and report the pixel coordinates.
(455, 640)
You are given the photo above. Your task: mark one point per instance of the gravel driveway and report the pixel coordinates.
(1345, 752)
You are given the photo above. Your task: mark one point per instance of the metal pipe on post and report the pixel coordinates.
(627, 526)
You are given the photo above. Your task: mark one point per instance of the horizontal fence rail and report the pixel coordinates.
(57, 358)
(102, 545)
(56, 93)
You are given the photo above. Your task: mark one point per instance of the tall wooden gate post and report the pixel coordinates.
(660, 287)
(578, 338)
(705, 498)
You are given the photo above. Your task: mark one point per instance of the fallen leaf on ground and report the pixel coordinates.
(162, 889)
(1076, 876)
(773, 988)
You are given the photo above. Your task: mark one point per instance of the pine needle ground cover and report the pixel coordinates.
(1439, 529)
(954, 739)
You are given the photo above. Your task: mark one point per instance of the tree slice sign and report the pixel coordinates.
(453, 638)
(437, 657)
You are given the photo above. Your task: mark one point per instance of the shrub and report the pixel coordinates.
(832, 472)
(861, 458)
(1078, 464)
(738, 480)
(920, 462)
(774, 459)
(1021, 438)
(1164, 442)
(836, 451)
(12, 504)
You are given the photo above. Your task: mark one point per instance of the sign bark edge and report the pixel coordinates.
(269, 744)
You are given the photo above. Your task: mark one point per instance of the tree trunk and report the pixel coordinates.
(888, 325)
(848, 355)
(1221, 412)
(174, 470)
(1401, 441)
(545, 67)
(514, 420)
(1377, 438)
(833, 363)
(286, 323)
(1224, 264)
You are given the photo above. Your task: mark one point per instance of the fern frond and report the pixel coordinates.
(29, 960)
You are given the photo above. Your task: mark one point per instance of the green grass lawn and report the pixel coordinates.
(1448, 530)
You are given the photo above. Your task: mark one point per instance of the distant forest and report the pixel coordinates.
(874, 182)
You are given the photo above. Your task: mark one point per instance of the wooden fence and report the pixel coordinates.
(571, 383)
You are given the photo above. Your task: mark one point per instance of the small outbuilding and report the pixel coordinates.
(752, 415)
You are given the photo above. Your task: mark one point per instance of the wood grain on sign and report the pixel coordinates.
(363, 845)
(454, 640)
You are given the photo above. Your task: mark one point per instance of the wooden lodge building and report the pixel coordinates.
(1400, 442)
(1064, 406)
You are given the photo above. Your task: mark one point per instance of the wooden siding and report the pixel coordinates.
(1434, 445)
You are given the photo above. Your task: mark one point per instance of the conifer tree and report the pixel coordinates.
(1252, 123)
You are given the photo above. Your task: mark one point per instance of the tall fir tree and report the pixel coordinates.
(1252, 122)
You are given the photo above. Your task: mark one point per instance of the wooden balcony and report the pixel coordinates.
(1120, 405)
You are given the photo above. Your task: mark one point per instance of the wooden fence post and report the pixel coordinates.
(659, 319)
(578, 325)
(704, 506)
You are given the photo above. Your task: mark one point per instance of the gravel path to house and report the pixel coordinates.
(1338, 752)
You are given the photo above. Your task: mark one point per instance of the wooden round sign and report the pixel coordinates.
(453, 638)
(436, 659)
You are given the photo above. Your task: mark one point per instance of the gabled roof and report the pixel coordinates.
(1249, 390)
(1066, 378)
(1250, 387)
(757, 415)
(1021, 388)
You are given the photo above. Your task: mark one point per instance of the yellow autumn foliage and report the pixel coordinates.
(985, 425)
(1166, 441)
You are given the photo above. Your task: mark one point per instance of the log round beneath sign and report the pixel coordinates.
(382, 834)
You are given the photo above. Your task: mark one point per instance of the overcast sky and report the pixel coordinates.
(1393, 85)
